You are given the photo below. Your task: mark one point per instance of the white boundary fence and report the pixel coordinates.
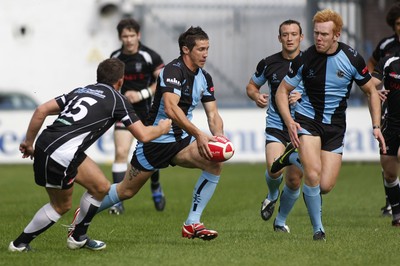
(245, 128)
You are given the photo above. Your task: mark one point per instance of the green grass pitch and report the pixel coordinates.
(356, 233)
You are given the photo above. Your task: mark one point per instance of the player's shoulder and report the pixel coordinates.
(349, 51)
(116, 53)
(388, 40)
(147, 49)
(271, 59)
(390, 60)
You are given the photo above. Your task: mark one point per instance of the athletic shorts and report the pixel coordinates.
(49, 173)
(392, 140)
(152, 156)
(276, 135)
(332, 135)
(142, 114)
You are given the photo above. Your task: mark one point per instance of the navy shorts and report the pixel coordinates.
(51, 174)
(332, 135)
(152, 156)
(276, 135)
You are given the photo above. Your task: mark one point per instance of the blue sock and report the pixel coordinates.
(110, 199)
(287, 201)
(313, 200)
(295, 160)
(273, 186)
(202, 193)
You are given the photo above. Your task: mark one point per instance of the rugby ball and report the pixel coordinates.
(222, 149)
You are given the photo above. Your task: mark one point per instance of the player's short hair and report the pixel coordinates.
(329, 15)
(110, 71)
(290, 22)
(128, 23)
(392, 15)
(189, 38)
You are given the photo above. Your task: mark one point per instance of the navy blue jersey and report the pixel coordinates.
(192, 89)
(387, 46)
(327, 82)
(86, 114)
(388, 70)
(139, 69)
(273, 69)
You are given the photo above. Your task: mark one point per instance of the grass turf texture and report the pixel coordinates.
(356, 233)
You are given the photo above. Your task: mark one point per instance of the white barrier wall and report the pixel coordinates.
(244, 127)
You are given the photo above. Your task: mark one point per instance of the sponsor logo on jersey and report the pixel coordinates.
(340, 73)
(365, 70)
(394, 75)
(174, 81)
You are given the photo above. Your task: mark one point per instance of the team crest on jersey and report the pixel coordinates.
(340, 73)
(186, 91)
(311, 74)
(354, 52)
(275, 78)
(138, 67)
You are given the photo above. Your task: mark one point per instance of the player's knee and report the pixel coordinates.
(100, 190)
(62, 208)
(293, 184)
(326, 188)
(121, 156)
(215, 168)
(103, 188)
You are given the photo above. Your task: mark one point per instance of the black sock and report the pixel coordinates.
(80, 230)
(26, 238)
(155, 180)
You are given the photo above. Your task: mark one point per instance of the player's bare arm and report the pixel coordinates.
(41, 112)
(374, 105)
(147, 133)
(253, 92)
(175, 113)
(214, 120)
(282, 101)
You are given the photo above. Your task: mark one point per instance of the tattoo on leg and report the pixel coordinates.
(133, 173)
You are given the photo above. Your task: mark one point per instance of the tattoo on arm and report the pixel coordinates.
(133, 173)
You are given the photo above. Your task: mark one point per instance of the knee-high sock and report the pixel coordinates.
(88, 209)
(273, 186)
(393, 193)
(295, 160)
(386, 196)
(110, 199)
(202, 193)
(313, 200)
(287, 201)
(44, 218)
(118, 171)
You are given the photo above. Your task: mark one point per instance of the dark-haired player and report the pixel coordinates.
(84, 115)
(142, 66)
